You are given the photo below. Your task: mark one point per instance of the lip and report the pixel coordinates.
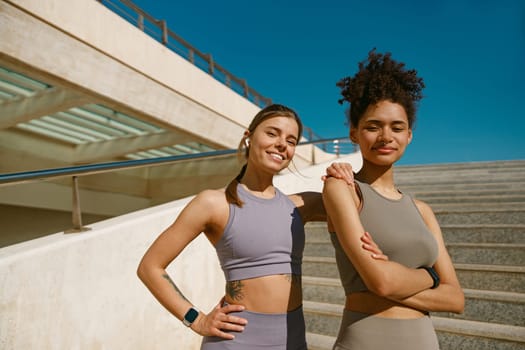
(385, 150)
(273, 154)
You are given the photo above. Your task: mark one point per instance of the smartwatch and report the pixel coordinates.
(433, 274)
(190, 316)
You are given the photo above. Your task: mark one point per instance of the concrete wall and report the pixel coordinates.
(81, 45)
(80, 291)
(84, 46)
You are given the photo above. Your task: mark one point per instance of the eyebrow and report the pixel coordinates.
(375, 121)
(280, 131)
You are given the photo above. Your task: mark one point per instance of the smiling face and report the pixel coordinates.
(382, 133)
(272, 144)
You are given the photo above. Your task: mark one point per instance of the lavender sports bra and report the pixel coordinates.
(263, 237)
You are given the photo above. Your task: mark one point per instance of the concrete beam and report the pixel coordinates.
(154, 91)
(45, 102)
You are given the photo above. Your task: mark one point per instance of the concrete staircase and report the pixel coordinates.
(481, 210)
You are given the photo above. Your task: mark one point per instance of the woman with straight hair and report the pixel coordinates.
(258, 233)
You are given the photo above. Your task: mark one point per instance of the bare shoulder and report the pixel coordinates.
(428, 216)
(208, 212)
(424, 208)
(212, 201)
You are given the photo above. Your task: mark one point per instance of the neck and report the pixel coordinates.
(380, 176)
(258, 183)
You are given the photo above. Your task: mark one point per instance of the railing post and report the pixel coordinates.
(75, 210)
(211, 65)
(245, 88)
(164, 27)
(140, 22)
(311, 138)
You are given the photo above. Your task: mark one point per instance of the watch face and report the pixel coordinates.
(191, 315)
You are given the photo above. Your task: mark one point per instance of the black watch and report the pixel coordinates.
(190, 316)
(433, 274)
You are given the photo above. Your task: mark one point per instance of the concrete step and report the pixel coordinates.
(473, 207)
(471, 276)
(320, 266)
(465, 172)
(319, 341)
(467, 191)
(481, 209)
(319, 247)
(487, 253)
(452, 233)
(498, 186)
(480, 305)
(463, 216)
(491, 306)
(470, 198)
(466, 253)
(324, 319)
(424, 181)
(474, 335)
(488, 233)
(491, 277)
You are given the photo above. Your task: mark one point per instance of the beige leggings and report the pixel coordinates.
(367, 332)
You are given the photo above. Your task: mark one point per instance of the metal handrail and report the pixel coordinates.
(211, 67)
(98, 168)
(166, 34)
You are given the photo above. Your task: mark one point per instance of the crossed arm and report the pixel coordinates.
(389, 279)
(384, 278)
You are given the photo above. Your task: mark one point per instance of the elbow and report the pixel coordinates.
(142, 271)
(454, 296)
(382, 286)
(458, 306)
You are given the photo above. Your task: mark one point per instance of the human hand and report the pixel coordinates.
(341, 171)
(371, 246)
(218, 321)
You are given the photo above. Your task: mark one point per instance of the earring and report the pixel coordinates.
(247, 142)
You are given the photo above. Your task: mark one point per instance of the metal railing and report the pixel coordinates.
(158, 30)
(83, 170)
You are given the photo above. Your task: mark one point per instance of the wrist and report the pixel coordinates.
(433, 274)
(196, 325)
(191, 315)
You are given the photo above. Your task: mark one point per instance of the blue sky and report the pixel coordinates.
(470, 53)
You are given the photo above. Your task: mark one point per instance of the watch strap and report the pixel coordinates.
(190, 316)
(433, 274)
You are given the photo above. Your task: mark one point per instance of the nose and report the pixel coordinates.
(280, 143)
(385, 136)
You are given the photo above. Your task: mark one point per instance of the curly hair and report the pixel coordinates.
(381, 78)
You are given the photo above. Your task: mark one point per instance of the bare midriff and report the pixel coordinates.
(372, 304)
(267, 294)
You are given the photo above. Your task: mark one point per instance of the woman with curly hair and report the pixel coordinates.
(387, 302)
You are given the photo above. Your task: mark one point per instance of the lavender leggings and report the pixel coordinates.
(264, 332)
(367, 332)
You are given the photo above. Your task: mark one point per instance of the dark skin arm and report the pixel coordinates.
(384, 278)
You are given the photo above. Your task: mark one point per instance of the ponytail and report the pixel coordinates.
(231, 189)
